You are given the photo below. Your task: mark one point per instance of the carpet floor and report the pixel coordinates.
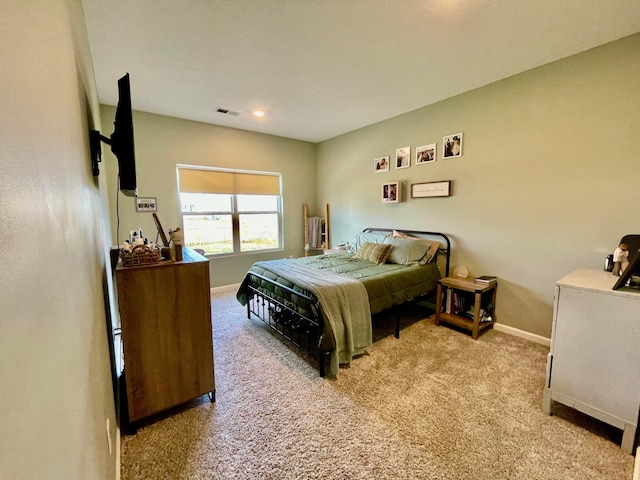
(434, 404)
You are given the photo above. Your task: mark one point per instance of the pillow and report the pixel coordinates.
(374, 252)
(372, 237)
(431, 253)
(397, 234)
(409, 251)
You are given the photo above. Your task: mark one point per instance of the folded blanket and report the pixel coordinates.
(344, 304)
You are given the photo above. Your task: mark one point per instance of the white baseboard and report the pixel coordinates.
(636, 466)
(233, 286)
(522, 334)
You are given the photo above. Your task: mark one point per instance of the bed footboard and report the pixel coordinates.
(285, 317)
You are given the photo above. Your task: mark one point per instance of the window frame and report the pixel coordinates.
(235, 213)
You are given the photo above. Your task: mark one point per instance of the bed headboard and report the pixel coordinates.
(445, 244)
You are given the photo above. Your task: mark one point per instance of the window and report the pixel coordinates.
(226, 212)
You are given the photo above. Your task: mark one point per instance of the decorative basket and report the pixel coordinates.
(140, 255)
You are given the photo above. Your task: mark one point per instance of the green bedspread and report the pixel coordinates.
(385, 285)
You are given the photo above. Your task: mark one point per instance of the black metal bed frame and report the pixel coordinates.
(306, 332)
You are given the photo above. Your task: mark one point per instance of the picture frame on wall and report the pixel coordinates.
(391, 192)
(403, 157)
(452, 146)
(148, 204)
(426, 154)
(431, 189)
(381, 164)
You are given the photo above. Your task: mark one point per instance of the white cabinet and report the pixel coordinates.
(594, 361)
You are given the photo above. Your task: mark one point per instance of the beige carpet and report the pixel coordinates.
(432, 405)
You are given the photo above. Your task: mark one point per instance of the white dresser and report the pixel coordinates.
(594, 362)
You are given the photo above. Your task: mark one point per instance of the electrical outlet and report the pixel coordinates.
(109, 436)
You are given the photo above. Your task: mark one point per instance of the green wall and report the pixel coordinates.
(548, 182)
(163, 142)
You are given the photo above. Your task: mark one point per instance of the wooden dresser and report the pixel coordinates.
(165, 313)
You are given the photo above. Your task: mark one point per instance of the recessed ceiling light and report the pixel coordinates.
(258, 113)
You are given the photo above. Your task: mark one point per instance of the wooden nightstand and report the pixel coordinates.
(479, 297)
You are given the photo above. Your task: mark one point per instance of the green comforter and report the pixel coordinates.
(386, 285)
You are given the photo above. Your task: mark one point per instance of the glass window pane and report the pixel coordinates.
(205, 202)
(257, 203)
(258, 231)
(212, 233)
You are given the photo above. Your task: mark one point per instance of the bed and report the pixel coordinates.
(324, 304)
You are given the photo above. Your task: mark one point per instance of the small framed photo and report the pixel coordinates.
(391, 192)
(381, 164)
(431, 189)
(146, 204)
(426, 154)
(452, 146)
(403, 157)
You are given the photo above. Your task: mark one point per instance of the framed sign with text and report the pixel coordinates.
(431, 189)
(146, 204)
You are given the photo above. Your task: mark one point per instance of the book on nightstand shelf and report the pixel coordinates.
(486, 279)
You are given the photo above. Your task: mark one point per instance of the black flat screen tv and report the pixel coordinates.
(121, 141)
(122, 144)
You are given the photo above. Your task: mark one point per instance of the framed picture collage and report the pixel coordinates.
(423, 155)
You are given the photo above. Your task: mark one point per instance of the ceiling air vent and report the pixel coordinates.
(226, 111)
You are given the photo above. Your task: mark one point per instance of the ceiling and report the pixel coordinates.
(321, 68)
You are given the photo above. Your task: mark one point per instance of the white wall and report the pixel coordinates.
(548, 181)
(55, 375)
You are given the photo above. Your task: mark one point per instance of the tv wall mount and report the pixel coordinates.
(95, 137)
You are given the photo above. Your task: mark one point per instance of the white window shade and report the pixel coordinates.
(214, 181)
